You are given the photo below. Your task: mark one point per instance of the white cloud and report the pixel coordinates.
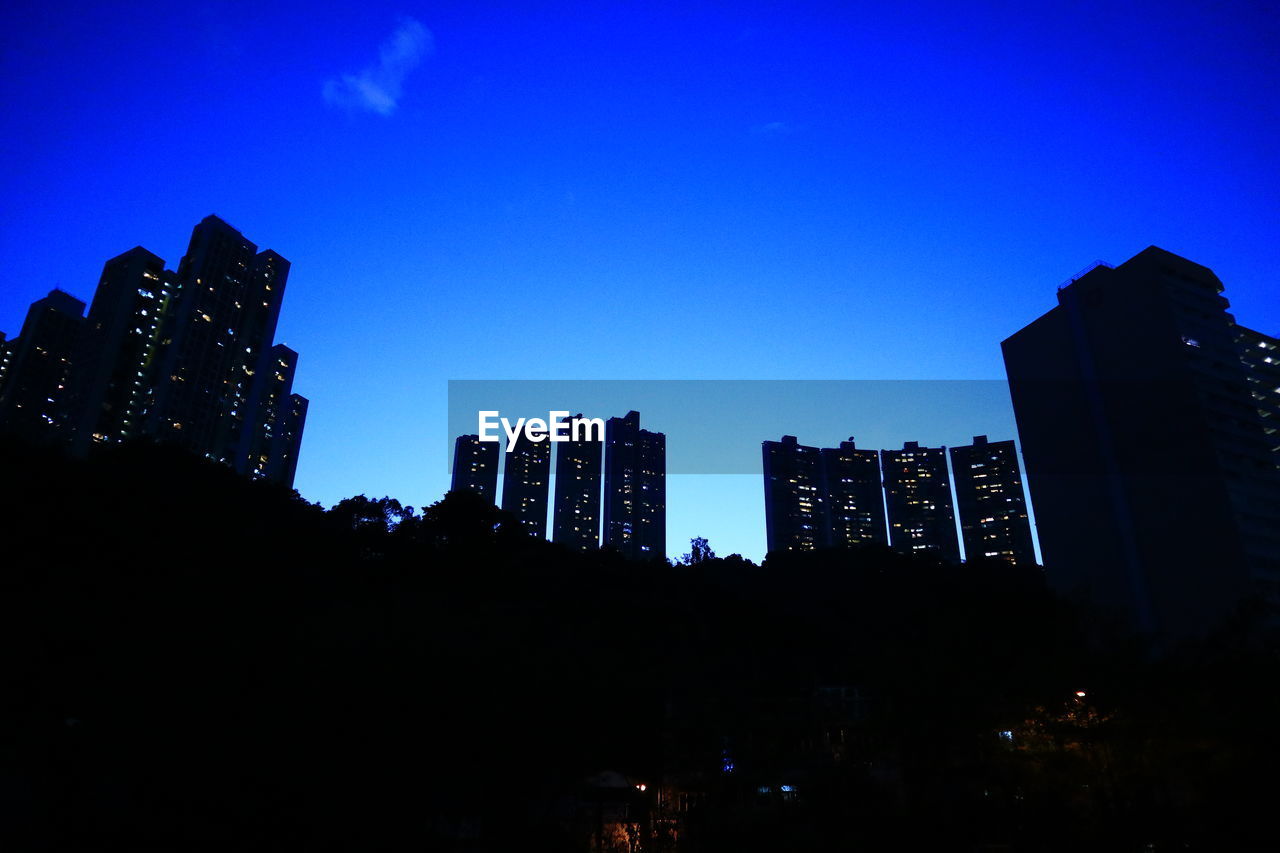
(378, 87)
(773, 128)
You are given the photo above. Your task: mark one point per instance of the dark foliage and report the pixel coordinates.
(198, 662)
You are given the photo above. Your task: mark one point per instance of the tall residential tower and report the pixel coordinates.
(1144, 413)
(854, 496)
(475, 467)
(576, 515)
(635, 488)
(990, 502)
(526, 482)
(821, 498)
(918, 499)
(185, 358)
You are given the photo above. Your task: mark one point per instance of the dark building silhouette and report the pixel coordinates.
(216, 360)
(576, 514)
(475, 467)
(1140, 404)
(185, 358)
(1261, 356)
(635, 488)
(990, 501)
(795, 510)
(116, 384)
(271, 436)
(288, 440)
(918, 500)
(822, 498)
(526, 483)
(854, 496)
(36, 390)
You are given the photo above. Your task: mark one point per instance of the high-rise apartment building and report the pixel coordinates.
(918, 499)
(795, 512)
(5, 354)
(185, 357)
(115, 385)
(990, 501)
(216, 340)
(854, 496)
(839, 498)
(270, 433)
(1148, 435)
(37, 391)
(526, 483)
(288, 440)
(475, 467)
(635, 488)
(576, 514)
(831, 497)
(1261, 356)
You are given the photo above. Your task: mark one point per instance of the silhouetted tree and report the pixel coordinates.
(361, 513)
(699, 552)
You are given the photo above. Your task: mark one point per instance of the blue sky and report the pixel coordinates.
(637, 191)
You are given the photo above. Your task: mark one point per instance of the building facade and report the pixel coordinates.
(854, 496)
(918, 501)
(635, 489)
(1143, 412)
(795, 511)
(215, 362)
(182, 357)
(37, 391)
(576, 514)
(475, 467)
(526, 483)
(117, 386)
(991, 503)
(821, 498)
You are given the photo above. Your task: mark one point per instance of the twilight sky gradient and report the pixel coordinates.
(638, 190)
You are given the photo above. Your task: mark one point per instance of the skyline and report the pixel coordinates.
(183, 357)
(788, 194)
(714, 431)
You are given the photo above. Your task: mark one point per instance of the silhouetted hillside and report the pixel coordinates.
(196, 661)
